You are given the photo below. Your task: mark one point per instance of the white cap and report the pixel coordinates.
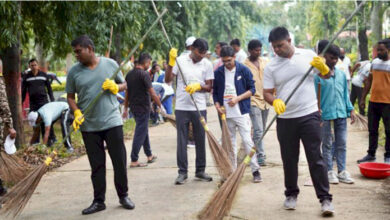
(32, 118)
(190, 41)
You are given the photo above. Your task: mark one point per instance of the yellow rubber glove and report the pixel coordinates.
(78, 119)
(279, 106)
(319, 63)
(193, 87)
(110, 85)
(172, 57)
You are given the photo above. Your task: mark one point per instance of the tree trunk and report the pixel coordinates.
(376, 21)
(69, 61)
(362, 35)
(11, 63)
(117, 44)
(40, 57)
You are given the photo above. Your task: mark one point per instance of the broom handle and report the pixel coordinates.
(311, 68)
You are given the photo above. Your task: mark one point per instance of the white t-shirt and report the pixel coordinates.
(230, 92)
(362, 74)
(193, 73)
(284, 74)
(343, 65)
(241, 56)
(51, 111)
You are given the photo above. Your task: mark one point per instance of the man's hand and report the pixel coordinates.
(233, 101)
(193, 87)
(125, 114)
(279, 106)
(12, 133)
(110, 85)
(319, 63)
(353, 116)
(78, 119)
(362, 104)
(172, 57)
(220, 110)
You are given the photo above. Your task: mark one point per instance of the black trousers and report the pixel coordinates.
(356, 95)
(66, 122)
(306, 129)
(183, 119)
(97, 159)
(376, 111)
(141, 136)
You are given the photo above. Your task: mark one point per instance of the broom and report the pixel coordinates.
(12, 168)
(16, 199)
(226, 140)
(221, 158)
(361, 122)
(221, 202)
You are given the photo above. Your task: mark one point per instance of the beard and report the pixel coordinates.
(383, 56)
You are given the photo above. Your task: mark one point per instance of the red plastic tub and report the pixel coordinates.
(375, 170)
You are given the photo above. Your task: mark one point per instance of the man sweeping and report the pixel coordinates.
(232, 90)
(300, 119)
(104, 124)
(198, 73)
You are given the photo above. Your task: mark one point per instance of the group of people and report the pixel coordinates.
(243, 88)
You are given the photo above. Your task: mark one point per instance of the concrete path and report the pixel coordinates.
(63, 193)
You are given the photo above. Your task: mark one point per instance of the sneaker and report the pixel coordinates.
(332, 177)
(327, 208)
(387, 160)
(181, 179)
(367, 158)
(256, 177)
(345, 177)
(191, 144)
(70, 150)
(261, 161)
(203, 177)
(290, 203)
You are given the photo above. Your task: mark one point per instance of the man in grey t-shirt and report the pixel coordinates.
(103, 123)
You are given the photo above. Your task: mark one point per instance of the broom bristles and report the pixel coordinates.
(16, 198)
(361, 122)
(12, 168)
(221, 158)
(227, 141)
(222, 200)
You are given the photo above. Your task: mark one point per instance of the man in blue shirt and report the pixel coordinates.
(336, 107)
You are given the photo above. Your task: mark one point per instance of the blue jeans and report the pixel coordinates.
(340, 143)
(259, 121)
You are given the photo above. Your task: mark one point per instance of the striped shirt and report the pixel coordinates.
(380, 88)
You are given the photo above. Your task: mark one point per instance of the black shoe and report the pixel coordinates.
(181, 179)
(203, 177)
(95, 207)
(367, 158)
(127, 203)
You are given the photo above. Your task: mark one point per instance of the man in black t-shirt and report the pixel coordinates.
(138, 94)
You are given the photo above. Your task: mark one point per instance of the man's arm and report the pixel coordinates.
(35, 136)
(154, 96)
(122, 86)
(269, 95)
(72, 102)
(169, 74)
(366, 90)
(49, 90)
(46, 135)
(237, 99)
(207, 86)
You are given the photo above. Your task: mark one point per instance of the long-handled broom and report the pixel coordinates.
(221, 158)
(221, 202)
(12, 168)
(16, 199)
(226, 140)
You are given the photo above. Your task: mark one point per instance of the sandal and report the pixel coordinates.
(154, 158)
(138, 165)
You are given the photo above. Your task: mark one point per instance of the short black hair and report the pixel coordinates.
(32, 60)
(83, 41)
(253, 44)
(278, 33)
(235, 42)
(321, 45)
(227, 51)
(386, 42)
(143, 57)
(200, 44)
(221, 43)
(155, 65)
(333, 50)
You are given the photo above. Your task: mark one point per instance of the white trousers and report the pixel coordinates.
(243, 125)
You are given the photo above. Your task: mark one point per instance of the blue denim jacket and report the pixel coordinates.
(335, 101)
(243, 81)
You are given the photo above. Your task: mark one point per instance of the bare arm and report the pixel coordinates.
(126, 103)
(46, 136)
(35, 135)
(72, 102)
(269, 95)
(169, 74)
(237, 99)
(122, 86)
(366, 90)
(207, 86)
(154, 96)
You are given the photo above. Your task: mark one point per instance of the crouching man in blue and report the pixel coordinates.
(232, 89)
(336, 107)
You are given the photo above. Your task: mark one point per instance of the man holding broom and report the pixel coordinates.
(300, 119)
(198, 73)
(232, 90)
(103, 124)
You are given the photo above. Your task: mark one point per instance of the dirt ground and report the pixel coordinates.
(65, 191)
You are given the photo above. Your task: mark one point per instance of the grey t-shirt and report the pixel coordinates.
(87, 84)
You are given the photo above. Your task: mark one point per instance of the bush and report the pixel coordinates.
(58, 87)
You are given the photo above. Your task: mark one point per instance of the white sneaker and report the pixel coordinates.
(345, 177)
(332, 177)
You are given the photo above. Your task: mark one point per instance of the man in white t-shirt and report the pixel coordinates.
(363, 71)
(300, 119)
(198, 73)
(239, 52)
(344, 64)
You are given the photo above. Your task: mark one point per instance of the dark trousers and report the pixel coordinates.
(376, 111)
(290, 132)
(141, 136)
(66, 122)
(356, 95)
(183, 119)
(97, 159)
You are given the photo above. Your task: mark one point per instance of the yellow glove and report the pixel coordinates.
(78, 119)
(172, 57)
(110, 85)
(319, 63)
(193, 87)
(279, 106)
